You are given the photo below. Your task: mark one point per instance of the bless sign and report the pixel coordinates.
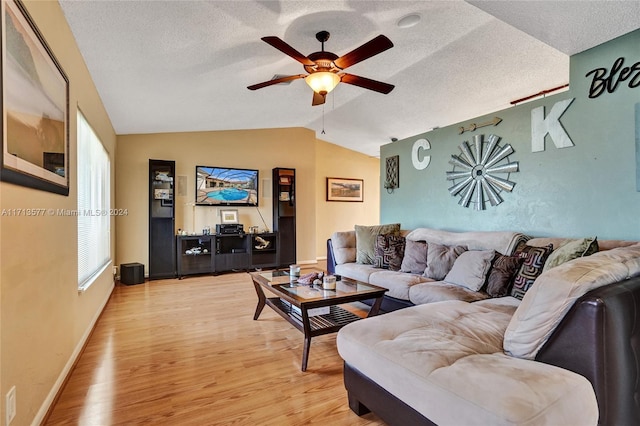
(618, 74)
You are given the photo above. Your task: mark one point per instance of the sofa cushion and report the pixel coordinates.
(428, 355)
(356, 271)
(503, 242)
(438, 291)
(344, 246)
(440, 259)
(366, 238)
(470, 269)
(389, 251)
(415, 257)
(570, 250)
(398, 283)
(556, 290)
(501, 275)
(531, 268)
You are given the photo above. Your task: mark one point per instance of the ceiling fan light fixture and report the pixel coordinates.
(322, 82)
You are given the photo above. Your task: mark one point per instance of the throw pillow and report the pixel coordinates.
(440, 259)
(501, 275)
(531, 268)
(415, 257)
(366, 240)
(470, 269)
(571, 250)
(389, 252)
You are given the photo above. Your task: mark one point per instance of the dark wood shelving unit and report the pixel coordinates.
(284, 214)
(162, 255)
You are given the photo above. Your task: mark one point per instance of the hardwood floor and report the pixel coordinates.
(188, 352)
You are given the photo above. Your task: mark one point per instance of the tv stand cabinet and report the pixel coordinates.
(212, 254)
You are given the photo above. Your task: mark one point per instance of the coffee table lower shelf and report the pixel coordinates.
(319, 324)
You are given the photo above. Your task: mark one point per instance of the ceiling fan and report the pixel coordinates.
(324, 69)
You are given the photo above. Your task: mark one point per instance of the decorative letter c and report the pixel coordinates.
(415, 159)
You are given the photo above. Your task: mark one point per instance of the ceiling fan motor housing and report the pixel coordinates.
(323, 62)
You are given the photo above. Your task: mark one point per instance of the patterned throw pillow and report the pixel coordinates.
(440, 260)
(366, 240)
(415, 257)
(501, 275)
(534, 259)
(389, 252)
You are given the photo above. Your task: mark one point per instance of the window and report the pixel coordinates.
(94, 195)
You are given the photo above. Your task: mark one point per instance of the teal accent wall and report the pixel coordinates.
(585, 190)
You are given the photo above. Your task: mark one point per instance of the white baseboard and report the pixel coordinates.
(44, 408)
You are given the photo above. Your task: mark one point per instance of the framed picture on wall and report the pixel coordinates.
(229, 216)
(344, 189)
(35, 106)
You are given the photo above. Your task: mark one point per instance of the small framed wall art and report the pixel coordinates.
(35, 106)
(229, 216)
(345, 189)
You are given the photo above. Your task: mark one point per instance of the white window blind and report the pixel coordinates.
(94, 195)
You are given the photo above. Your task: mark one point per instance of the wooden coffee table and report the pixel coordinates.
(294, 303)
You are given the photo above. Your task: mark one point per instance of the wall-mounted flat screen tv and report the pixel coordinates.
(220, 186)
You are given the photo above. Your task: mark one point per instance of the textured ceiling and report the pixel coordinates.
(176, 66)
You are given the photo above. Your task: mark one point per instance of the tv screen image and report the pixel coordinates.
(220, 186)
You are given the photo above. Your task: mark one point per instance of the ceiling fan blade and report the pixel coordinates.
(318, 99)
(287, 50)
(367, 83)
(367, 50)
(276, 81)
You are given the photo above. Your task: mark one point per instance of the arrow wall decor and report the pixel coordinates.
(473, 126)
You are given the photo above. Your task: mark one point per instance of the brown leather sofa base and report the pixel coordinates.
(599, 338)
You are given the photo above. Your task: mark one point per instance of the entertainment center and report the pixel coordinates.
(230, 248)
(207, 254)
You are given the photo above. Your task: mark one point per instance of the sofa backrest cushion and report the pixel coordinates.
(503, 242)
(555, 291)
(344, 246)
(470, 269)
(366, 240)
(440, 259)
(415, 257)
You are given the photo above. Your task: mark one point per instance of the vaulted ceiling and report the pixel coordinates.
(179, 66)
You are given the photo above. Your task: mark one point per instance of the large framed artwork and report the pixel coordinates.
(343, 189)
(35, 106)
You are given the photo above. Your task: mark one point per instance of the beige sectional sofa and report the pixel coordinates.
(568, 353)
(406, 289)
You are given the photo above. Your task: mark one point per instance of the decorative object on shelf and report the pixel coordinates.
(419, 164)
(473, 126)
(475, 172)
(344, 189)
(228, 216)
(262, 243)
(392, 168)
(35, 150)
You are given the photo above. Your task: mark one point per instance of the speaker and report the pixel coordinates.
(132, 273)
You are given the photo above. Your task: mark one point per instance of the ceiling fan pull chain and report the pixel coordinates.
(322, 132)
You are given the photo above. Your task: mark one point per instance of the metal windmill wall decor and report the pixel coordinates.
(475, 171)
